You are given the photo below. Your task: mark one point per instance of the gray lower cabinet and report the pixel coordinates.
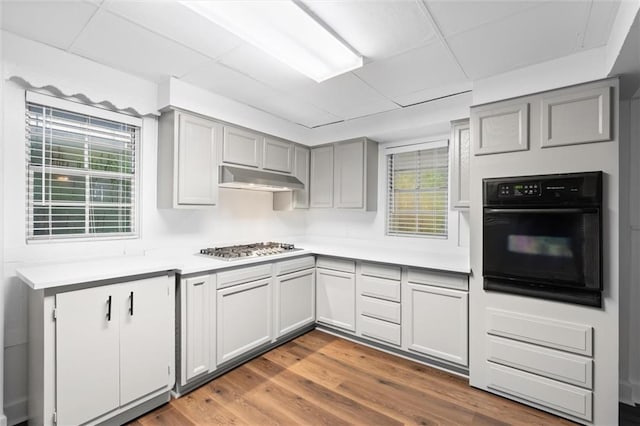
(295, 301)
(335, 299)
(244, 314)
(435, 319)
(187, 160)
(197, 327)
(97, 352)
(321, 177)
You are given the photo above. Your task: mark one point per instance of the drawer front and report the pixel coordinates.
(439, 279)
(568, 368)
(337, 264)
(558, 396)
(570, 337)
(380, 330)
(243, 275)
(294, 265)
(381, 309)
(380, 287)
(381, 271)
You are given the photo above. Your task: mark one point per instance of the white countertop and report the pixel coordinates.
(62, 273)
(68, 273)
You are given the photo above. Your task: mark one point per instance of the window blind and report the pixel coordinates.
(81, 175)
(418, 192)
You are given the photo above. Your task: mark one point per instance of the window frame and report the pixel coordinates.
(101, 114)
(414, 147)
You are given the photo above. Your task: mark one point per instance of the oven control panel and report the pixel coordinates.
(519, 189)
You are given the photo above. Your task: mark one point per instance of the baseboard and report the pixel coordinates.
(626, 392)
(629, 392)
(16, 411)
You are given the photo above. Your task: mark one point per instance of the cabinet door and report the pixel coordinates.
(295, 301)
(435, 322)
(242, 147)
(336, 298)
(500, 128)
(460, 136)
(196, 310)
(349, 175)
(244, 318)
(87, 358)
(197, 173)
(146, 336)
(301, 196)
(277, 155)
(321, 180)
(576, 117)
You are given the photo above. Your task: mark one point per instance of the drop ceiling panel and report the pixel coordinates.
(220, 79)
(177, 23)
(253, 62)
(601, 18)
(113, 41)
(423, 68)
(376, 29)
(454, 17)
(539, 34)
(296, 110)
(345, 96)
(54, 23)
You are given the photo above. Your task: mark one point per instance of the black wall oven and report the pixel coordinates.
(542, 236)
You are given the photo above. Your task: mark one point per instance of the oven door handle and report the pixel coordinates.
(544, 211)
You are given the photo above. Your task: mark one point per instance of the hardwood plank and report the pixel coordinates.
(347, 409)
(167, 415)
(321, 379)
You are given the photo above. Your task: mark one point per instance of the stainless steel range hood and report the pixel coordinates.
(257, 180)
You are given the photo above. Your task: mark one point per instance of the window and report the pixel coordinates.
(81, 171)
(418, 190)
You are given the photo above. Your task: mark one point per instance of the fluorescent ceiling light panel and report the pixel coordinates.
(284, 30)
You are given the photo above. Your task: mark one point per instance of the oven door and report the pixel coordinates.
(557, 247)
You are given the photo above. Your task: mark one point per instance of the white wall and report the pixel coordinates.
(629, 255)
(3, 418)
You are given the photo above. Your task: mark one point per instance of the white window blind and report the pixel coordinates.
(418, 191)
(81, 175)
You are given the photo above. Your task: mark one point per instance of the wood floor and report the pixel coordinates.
(322, 379)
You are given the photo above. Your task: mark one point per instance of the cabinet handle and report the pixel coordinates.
(109, 309)
(131, 304)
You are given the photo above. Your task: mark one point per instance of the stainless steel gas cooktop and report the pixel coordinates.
(248, 250)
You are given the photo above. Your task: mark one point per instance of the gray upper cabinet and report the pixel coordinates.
(277, 155)
(187, 160)
(460, 152)
(242, 147)
(501, 127)
(344, 175)
(321, 179)
(299, 198)
(349, 174)
(573, 116)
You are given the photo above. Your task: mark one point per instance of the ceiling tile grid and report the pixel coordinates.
(414, 50)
